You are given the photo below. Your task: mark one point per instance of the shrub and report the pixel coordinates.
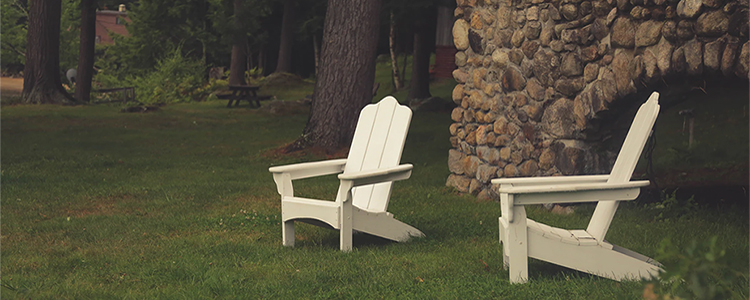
(174, 79)
(699, 271)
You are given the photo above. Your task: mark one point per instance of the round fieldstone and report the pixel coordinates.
(546, 35)
(516, 56)
(571, 65)
(460, 183)
(529, 48)
(621, 69)
(460, 58)
(510, 170)
(475, 41)
(569, 11)
(476, 21)
(455, 161)
(534, 111)
(532, 30)
(738, 23)
(685, 30)
(535, 89)
(512, 79)
(669, 30)
(623, 33)
(500, 57)
(517, 39)
(663, 52)
(678, 60)
(590, 72)
(545, 67)
(557, 45)
(532, 13)
(529, 168)
(461, 34)
(713, 23)
(570, 87)
(547, 159)
(712, 54)
(689, 8)
(611, 16)
(558, 119)
(458, 93)
(694, 57)
(743, 62)
(504, 16)
(601, 8)
(729, 56)
(475, 187)
(649, 65)
(460, 76)
(485, 173)
(648, 33)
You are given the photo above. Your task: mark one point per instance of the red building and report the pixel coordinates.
(445, 50)
(111, 21)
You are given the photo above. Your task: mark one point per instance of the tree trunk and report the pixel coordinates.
(316, 53)
(239, 51)
(86, 51)
(398, 81)
(423, 43)
(347, 72)
(284, 63)
(41, 74)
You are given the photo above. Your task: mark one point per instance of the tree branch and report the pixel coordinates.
(23, 9)
(11, 47)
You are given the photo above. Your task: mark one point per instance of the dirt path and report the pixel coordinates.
(10, 86)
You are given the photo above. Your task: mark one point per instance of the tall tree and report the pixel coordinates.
(398, 80)
(239, 48)
(41, 74)
(86, 52)
(424, 43)
(284, 62)
(346, 75)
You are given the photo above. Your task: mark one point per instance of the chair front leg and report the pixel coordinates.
(518, 246)
(514, 239)
(345, 215)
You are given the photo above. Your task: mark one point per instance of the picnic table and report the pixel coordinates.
(245, 92)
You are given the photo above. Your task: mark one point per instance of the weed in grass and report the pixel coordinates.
(670, 208)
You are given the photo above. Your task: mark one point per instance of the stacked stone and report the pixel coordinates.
(533, 73)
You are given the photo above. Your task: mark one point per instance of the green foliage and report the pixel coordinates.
(670, 208)
(699, 271)
(176, 79)
(13, 18)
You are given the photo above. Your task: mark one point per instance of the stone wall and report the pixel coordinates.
(533, 74)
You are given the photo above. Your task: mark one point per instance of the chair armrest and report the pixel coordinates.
(569, 193)
(399, 172)
(552, 180)
(311, 169)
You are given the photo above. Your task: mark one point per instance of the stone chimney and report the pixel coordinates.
(122, 8)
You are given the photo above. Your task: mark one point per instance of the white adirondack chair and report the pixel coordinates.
(366, 178)
(583, 250)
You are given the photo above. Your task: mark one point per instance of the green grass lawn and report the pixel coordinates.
(178, 203)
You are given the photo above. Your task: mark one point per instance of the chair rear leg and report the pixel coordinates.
(287, 233)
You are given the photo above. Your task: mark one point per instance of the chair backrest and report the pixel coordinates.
(625, 164)
(378, 143)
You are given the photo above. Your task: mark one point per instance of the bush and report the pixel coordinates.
(699, 271)
(174, 79)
